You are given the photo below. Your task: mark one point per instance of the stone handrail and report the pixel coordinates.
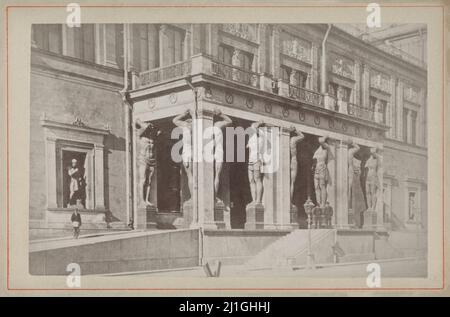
(360, 112)
(156, 75)
(234, 73)
(306, 95)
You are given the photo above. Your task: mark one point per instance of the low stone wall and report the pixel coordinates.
(237, 246)
(127, 252)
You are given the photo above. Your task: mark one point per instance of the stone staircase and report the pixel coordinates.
(409, 243)
(292, 249)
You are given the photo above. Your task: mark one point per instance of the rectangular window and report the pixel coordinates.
(114, 47)
(48, 37)
(414, 127)
(294, 77)
(405, 125)
(141, 46)
(83, 42)
(246, 60)
(225, 54)
(175, 45)
(412, 206)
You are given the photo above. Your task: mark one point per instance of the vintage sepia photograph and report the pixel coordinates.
(224, 149)
(228, 150)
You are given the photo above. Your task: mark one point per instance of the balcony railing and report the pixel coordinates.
(201, 64)
(305, 95)
(360, 112)
(161, 74)
(234, 73)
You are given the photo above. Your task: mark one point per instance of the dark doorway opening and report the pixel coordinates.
(240, 195)
(304, 184)
(168, 171)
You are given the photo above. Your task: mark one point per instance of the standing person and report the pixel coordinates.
(76, 223)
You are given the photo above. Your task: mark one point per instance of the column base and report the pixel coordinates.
(254, 216)
(146, 217)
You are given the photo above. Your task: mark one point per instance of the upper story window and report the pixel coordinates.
(102, 43)
(232, 56)
(379, 107)
(413, 127)
(48, 37)
(145, 46)
(172, 43)
(82, 43)
(114, 45)
(405, 124)
(294, 77)
(339, 92)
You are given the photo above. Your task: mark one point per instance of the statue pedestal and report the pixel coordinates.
(146, 217)
(219, 214)
(370, 219)
(254, 216)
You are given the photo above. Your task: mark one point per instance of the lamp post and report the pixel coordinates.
(309, 205)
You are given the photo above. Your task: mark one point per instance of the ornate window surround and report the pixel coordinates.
(60, 136)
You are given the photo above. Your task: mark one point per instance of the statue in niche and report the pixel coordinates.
(220, 125)
(372, 181)
(296, 137)
(255, 161)
(77, 185)
(147, 133)
(184, 121)
(355, 193)
(322, 176)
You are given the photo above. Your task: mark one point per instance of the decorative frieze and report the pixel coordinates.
(411, 94)
(380, 81)
(342, 66)
(296, 48)
(245, 31)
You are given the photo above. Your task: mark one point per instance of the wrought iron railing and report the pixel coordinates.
(305, 95)
(234, 73)
(161, 74)
(360, 112)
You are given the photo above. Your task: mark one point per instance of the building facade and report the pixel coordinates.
(101, 93)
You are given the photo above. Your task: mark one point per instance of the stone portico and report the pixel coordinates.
(203, 85)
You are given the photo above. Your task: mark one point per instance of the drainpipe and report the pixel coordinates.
(323, 62)
(128, 129)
